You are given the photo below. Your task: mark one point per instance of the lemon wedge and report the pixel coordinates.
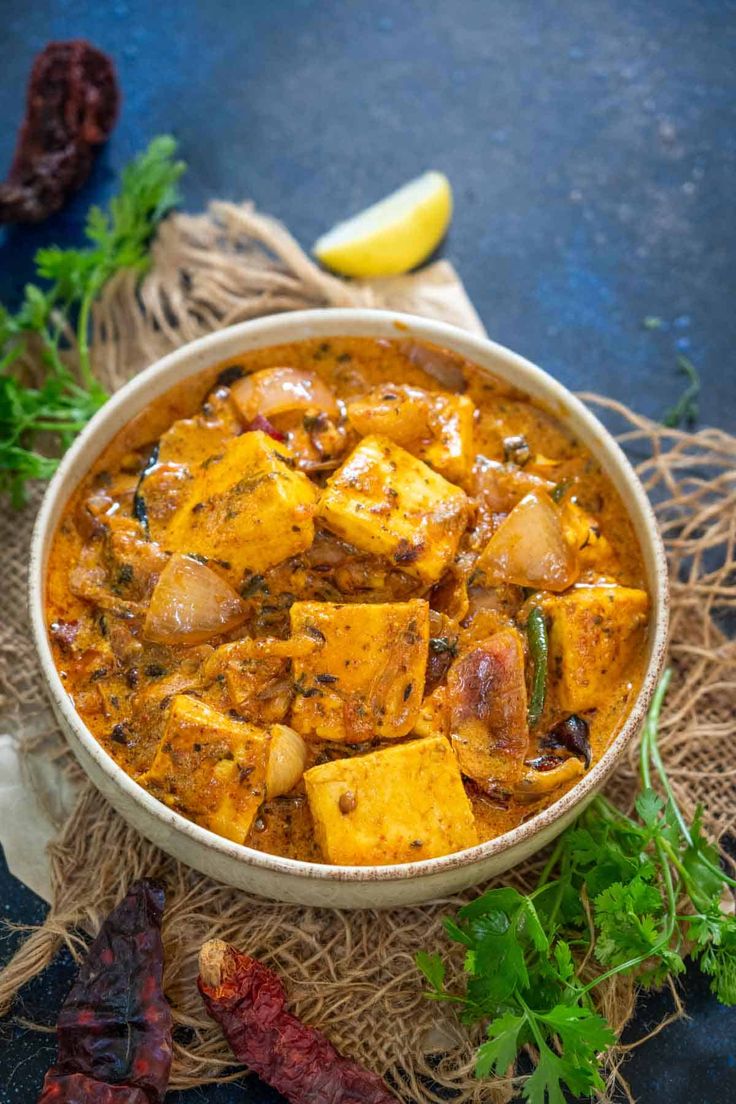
(391, 236)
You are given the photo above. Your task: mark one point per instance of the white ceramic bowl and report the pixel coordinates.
(288, 879)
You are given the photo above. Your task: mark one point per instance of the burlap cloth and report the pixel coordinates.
(352, 973)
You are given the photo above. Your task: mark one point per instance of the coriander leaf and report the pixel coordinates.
(500, 1051)
(563, 958)
(702, 863)
(433, 969)
(670, 830)
(552, 1072)
(626, 916)
(714, 936)
(582, 1035)
(524, 953)
(34, 310)
(506, 900)
(649, 806)
(18, 465)
(705, 928)
(499, 960)
(718, 960)
(669, 963)
(456, 933)
(615, 868)
(497, 928)
(570, 911)
(530, 925)
(68, 394)
(583, 849)
(686, 409)
(69, 269)
(581, 1032)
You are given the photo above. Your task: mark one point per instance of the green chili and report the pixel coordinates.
(536, 632)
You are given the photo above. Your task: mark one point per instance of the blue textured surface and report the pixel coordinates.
(592, 149)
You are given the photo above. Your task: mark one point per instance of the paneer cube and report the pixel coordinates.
(365, 678)
(593, 550)
(187, 443)
(435, 426)
(386, 502)
(246, 507)
(595, 631)
(397, 805)
(190, 441)
(210, 767)
(486, 703)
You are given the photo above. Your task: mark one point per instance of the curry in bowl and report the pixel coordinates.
(349, 601)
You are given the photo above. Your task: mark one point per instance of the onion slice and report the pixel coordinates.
(286, 761)
(280, 391)
(530, 548)
(535, 783)
(190, 603)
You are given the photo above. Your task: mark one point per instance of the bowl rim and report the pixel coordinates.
(195, 356)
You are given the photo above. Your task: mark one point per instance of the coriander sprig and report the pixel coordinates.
(68, 394)
(618, 895)
(686, 409)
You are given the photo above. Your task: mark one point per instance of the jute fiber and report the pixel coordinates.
(352, 973)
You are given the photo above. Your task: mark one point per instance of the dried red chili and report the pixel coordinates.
(114, 1030)
(71, 107)
(248, 1001)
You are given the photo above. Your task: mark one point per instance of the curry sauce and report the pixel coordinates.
(305, 597)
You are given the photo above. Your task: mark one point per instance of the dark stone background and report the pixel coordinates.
(592, 149)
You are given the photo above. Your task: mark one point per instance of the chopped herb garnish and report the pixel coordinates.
(304, 691)
(440, 644)
(125, 574)
(256, 584)
(560, 489)
(155, 670)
